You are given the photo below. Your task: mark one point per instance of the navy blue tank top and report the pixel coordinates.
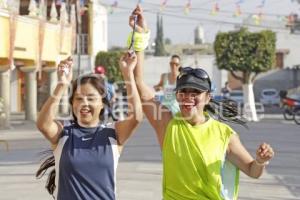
(85, 162)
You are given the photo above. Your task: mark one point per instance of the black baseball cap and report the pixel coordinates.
(194, 80)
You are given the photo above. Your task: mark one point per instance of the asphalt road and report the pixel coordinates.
(139, 172)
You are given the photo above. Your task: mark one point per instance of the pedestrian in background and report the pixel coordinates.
(201, 156)
(167, 84)
(86, 150)
(226, 90)
(111, 92)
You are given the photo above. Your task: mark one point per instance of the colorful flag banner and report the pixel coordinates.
(112, 7)
(187, 7)
(257, 18)
(12, 37)
(238, 11)
(73, 25)
(42, 10)
(215, 9)
(163, 5)
(42, 24)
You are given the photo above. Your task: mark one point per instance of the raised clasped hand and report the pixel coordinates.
(65, 71)
(128, 62)
(141, 25)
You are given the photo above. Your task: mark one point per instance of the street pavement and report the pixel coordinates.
(140, 169)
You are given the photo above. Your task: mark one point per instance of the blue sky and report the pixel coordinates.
(179, 26)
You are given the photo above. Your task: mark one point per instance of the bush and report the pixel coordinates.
(110, 61)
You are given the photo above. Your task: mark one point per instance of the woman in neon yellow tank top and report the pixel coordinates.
(201, 156)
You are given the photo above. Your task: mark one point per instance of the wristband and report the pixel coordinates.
(141, 40)
(261, 164)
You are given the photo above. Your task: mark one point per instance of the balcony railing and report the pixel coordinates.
(83, 43)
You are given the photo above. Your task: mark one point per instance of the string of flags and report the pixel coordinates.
(187, 7)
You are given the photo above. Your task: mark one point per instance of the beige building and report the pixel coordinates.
(33, 39)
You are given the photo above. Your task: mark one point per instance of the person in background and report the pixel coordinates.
(167, 85)
(201, 156)
(111, 91)
(226, 90)
(86, 150)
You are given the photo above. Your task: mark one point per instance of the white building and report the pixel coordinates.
(199, 35)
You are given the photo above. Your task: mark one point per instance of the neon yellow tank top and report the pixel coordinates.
(194, 164)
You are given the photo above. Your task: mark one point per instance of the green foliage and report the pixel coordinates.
(245, 51)
(168, 41)
(159, 40)
(110, 61)
(117, 48)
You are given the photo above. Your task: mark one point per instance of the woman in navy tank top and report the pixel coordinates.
(85, 149)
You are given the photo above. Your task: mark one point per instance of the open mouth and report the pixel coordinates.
(188, 105)
(85, 111)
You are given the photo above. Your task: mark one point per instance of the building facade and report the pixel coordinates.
(34, 37)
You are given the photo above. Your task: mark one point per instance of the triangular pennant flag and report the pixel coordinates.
(112, 7)
(238, 11)
(215, 9)
(187, 7)
(163, 5)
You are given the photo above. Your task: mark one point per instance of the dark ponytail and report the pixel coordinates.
(48, 163)
(225, 110)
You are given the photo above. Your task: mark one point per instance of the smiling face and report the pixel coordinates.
(192, 101)
(87, 105)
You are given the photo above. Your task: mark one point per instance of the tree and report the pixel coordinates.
(159, 40)
(248, 53)
(110, 61)
(168, 41)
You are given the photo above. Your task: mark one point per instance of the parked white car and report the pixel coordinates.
(269, 96)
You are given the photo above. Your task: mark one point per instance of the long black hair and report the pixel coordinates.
(225, 110)
(49, 162)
